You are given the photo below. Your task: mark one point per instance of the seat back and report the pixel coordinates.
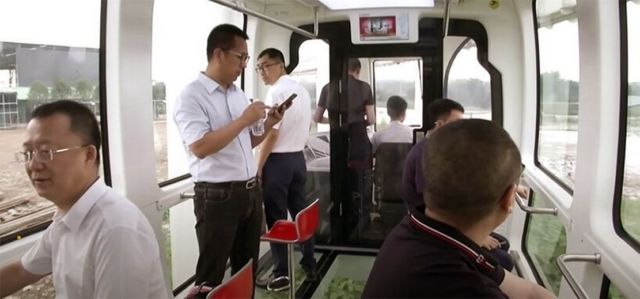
(307, 221)
(389, 169)
(240, 285)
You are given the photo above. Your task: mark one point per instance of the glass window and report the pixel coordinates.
(409, 87)
(469, 83)
(545, 239)
(613, 292)
(558, 94)
(180, 31)
(312, 72)
(50, 55)
(630, 209)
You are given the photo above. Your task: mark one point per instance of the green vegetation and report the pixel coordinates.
(630, 214)
(38, 91)
(61, 90)
(546, 239)
(344, 288)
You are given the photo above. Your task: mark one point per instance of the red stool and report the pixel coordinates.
(294, 232)
(240, 285)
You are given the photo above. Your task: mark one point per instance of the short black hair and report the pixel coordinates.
(272, 53)
(468, 166)
(396, 107)
(354, 64)
(222, 37)
(83, 121)
(442, 107)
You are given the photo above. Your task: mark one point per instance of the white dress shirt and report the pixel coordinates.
(103, 247)
(202, 107)
(395, 133)
(293, 129)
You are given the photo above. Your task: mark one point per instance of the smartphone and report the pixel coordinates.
(286, 103)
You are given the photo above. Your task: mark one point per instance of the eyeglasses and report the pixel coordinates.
(42, 155)
(243, 56)
(261, 68)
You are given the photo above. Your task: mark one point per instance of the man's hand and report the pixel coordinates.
(274, 116)
(490, 243)
(253, 113)
(523, 191)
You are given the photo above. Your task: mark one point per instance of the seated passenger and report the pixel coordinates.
(444, 111)
(99, 244)
(471, 175)
(396, 132)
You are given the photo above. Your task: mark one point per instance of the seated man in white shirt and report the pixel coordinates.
(99, 244)
(396, 132)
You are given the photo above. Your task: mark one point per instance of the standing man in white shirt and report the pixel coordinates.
(99, 244)
(213, 117)
(281, 163)
(396, 132)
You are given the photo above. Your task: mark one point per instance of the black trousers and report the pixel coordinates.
(283, 178)
(228, 223)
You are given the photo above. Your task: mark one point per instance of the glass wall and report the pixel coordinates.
(558, 58)
(630, 209)
(545, 239)
(180, 31)
(469, 83)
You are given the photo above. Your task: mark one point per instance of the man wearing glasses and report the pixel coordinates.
(99, 244)
(281, 164)
(213, 117)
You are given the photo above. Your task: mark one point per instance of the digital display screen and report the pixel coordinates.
(379, 26)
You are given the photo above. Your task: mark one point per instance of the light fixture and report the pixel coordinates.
(368, 4)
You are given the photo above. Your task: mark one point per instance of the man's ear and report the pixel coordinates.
(92, 154)
(508, 197)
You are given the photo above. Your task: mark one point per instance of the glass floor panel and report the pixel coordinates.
(300, 275)
(345, 278)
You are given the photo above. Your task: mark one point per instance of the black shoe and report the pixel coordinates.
(277, 284)
(312, 275)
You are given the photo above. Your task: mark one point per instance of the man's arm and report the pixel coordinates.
(14, 277)
(126, 265)
(213, 141)
(516, 287)
(371, 115)
(318, 116)
(265, 149)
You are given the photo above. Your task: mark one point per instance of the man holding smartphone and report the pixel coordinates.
(281, 164)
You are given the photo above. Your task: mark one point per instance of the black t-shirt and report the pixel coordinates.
(359, 95)
(424, 258)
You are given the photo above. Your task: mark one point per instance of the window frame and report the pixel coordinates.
(622, 130)
(536, 161)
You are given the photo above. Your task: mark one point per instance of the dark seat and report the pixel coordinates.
(388, 171)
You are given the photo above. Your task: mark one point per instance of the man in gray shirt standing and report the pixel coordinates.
(213, 117)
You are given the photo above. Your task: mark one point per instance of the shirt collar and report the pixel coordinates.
(395, 122)
(78, 212)
(452, 237)
(209, 84)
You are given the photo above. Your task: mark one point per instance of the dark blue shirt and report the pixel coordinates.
(413, 177)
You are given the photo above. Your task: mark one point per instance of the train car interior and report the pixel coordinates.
(562, 77)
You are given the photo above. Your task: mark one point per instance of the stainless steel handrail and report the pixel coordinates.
(187, 195)
(447, 7)
(561, 263)
(235, 5)
(531, 210)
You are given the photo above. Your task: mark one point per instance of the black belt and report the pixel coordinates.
(248, 184)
